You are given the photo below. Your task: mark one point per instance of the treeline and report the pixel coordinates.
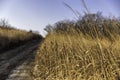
(94, 25)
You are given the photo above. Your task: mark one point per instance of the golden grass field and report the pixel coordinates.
(76, 56)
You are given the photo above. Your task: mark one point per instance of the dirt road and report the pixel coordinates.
(16, 64)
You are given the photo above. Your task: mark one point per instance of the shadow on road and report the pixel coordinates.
(16, 57)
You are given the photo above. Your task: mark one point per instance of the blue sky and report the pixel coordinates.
(36, 14)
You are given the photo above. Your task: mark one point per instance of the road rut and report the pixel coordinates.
(16, 64)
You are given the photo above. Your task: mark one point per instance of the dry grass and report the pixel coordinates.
(10, 37)
(85, 54)
(76, 57)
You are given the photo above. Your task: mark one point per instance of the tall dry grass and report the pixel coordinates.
(84, 51)
(76, 57)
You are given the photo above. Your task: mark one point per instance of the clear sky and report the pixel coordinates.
(36, 14)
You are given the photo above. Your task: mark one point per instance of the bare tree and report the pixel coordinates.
(4, 23)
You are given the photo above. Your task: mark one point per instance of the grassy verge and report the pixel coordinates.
(11, 38)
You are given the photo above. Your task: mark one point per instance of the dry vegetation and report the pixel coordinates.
(11, 37)
(87, 49)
